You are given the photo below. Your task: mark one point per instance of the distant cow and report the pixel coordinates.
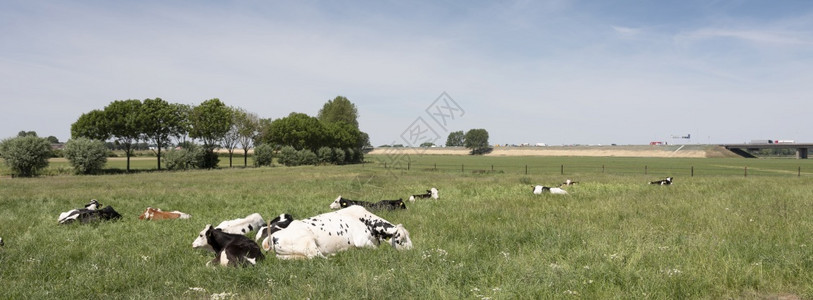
(430, 193)
(666, 181)
(242, 226)
(158, 214)
(568, 183)
(383, 204)
(280, 222)
(539, 189)
(332, 232)
(90, 213)
(230, 249)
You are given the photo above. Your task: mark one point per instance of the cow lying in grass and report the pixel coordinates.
(230, 249)
(430, 193)
(539, 189)
(91, 213)
(242, 226)
(666, 181)
(158, 214)
(383, 204)
(332, 232)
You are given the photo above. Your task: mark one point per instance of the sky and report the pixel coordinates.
(558, 72)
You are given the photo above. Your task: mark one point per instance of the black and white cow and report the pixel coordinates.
(1, 242)
(90, 213)
(666, 181)
(539, 189)
(430, 193)
(383, 204)
(280, 222)
(230, 249)
(332, 232)
(242, 226)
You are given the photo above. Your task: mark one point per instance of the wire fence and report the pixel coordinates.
(644, 169)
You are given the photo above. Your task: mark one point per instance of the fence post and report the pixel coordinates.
(461, 168)
(799, 173)
(385, 165)
(602, 169)
(436, 166)
(492, 168)
(645, 170)
(408, 165)
(692, 171)
(746, 171)
(562, 170)
(526, 169)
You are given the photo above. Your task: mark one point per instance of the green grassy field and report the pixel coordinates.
(709, 236)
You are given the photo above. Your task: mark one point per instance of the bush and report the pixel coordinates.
(263, 155)
(338, 156)
(207, 159)
(325, 155)
(26, 155)
(306, 157)
(184, 158)
(349, 156)
(287, 156)
(86, 156)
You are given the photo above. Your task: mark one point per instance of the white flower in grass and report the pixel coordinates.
(663, 248)
(569, 292)
(223, 295)
(671, 272)
(589, 281)
(586, 267)
(197, 289)
(145, 258)
(555, 266)
(504, 254)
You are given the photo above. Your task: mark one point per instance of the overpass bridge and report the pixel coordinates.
(743, 149)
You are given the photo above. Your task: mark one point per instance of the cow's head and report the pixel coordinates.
(400, 203)
(202, 241)
(93, 205)
(147, 214)
(434, 193)
(400, 239)
(336, 204)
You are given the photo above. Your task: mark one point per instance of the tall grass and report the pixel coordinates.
(614, 236)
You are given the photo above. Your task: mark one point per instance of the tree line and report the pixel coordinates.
(188, 135)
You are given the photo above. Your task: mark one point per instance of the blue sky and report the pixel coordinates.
(555, 72)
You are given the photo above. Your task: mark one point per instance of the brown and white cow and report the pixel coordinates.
(158, 214)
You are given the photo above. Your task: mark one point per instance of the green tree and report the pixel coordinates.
(232, 137)
(92, 125)
(297, 130)
(456, 139)
(339, 110)
(477, 141)
(25, 155)
(85, 155)
(124, 120)
(248, 128)
(209, 122)
(160, 121)
(52, 139)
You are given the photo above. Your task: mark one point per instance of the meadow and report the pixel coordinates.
(709, 236)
